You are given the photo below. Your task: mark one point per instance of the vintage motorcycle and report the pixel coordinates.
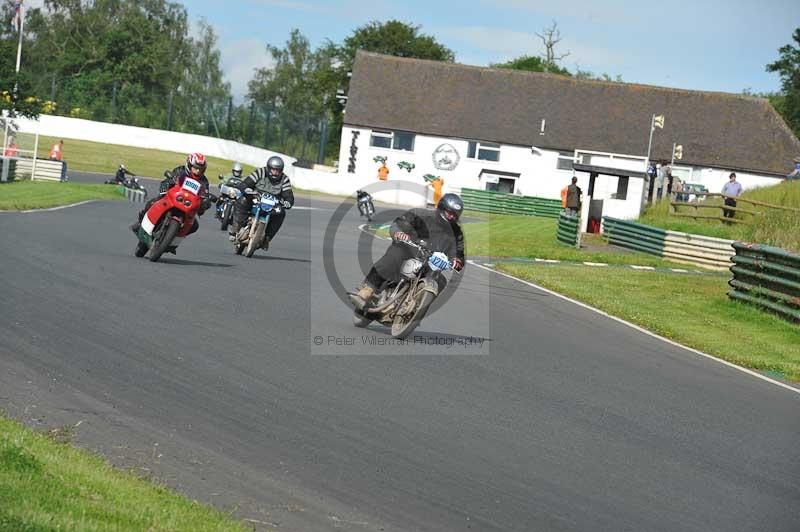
(252, 235)
(167, 222)
(402, 305)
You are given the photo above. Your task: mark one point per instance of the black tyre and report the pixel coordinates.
(226, 216)
(402, 326)
(167, 235)
(256, 240)
(238, 248)
(360, 321)
(141, 249)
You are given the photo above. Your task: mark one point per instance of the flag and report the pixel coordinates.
(658, 121)
(678, 152)
(16, 22)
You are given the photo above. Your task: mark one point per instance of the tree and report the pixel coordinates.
(550, 37)
(532, 63)
(788, 66)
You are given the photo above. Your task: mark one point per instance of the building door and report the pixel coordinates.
(506, 186)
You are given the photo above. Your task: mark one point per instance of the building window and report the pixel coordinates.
(396, 140)
(565, 160)
(484, 151)
(622, 188)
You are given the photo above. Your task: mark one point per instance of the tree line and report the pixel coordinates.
(143, 63)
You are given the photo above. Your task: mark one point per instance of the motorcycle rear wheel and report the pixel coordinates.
(360, 320)
(161, 244)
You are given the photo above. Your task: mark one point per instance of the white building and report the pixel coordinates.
(529, 133)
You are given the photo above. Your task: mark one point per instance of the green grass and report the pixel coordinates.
(775, 227)
(46, 485)
(86, 156)
(691, 309)
(21, 195)
(535, 237)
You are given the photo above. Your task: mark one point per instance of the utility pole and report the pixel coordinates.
(114, 103)
(323, 140)
(169, 111)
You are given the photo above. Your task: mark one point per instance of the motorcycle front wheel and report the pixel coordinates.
(403, 325)
(256, 240)
(167, 235)
(226, 216)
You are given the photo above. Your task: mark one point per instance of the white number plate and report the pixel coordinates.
(438, 261)
(192, 186)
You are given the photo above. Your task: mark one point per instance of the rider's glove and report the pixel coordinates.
(249, 191)
(402, 237)
(458, 265)
(286, 204)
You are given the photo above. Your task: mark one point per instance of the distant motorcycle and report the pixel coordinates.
(226, 205)
(365, 205)
(170, 219)
(253, 235)
(402, 305)
(131, 183)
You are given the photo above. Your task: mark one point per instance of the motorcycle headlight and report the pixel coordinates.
(188, 203)
(179, 198)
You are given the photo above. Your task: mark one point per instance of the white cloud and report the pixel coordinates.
(239, 61)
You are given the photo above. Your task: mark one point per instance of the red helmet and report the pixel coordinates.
(196, 160)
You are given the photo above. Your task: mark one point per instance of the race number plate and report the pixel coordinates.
(192, 186)
(438, 261)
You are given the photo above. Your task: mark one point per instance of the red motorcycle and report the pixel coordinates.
(167, 222)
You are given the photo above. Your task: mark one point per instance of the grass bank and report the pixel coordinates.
(21, 195)
(48, 485)
(775, 227)
(691, 309)
(535, 237)
(86, 156)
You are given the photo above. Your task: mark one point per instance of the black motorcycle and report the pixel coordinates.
(226, 205)
(365, 205)
(128, 182)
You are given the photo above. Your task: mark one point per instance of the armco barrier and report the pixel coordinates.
(768, 277)
(680, 247)
(497, 203)
(567, 231)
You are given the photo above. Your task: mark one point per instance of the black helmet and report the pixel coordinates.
(275, 163)
(450, 207)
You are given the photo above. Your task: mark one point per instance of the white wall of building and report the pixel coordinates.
(537, 169)
(140, 137)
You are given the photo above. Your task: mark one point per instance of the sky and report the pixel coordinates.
(716, 45)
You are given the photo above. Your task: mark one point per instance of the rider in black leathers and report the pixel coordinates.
(194, 168)
(439, 230)
(272, 180)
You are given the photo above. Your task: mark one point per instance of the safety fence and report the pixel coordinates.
(757, 208)
(685, 248)
(768, 277)
(135, 196)
(498, 203)
(567, 230)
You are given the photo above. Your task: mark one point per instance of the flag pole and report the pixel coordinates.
(21, 29)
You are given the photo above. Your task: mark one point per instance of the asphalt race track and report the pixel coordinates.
(242, 383)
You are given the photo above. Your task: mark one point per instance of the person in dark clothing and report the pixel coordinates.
(272, 180)
(439, 229)
(195, 168)
(121, 173)
(574, 194)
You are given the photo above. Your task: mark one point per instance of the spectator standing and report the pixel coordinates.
(12, 148)
(677, 188)
(795, 174)
(57, 154)
(383, 172)
(574, 195)
(437, 185)
(731, 191)
(662, 180)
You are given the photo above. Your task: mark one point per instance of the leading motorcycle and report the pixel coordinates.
(167, 222)
(402, 305)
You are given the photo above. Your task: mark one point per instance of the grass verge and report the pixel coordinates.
(86, 156)
(21, 195)
(535, 237)
(46, 485)
(692, 310)
(774, 227)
